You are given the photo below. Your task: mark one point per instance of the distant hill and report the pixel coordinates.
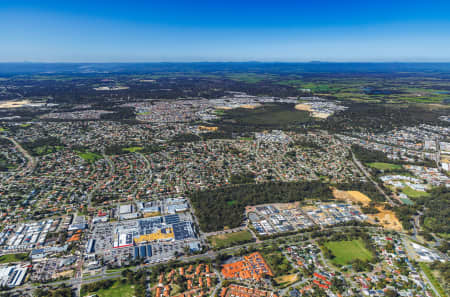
(206, 67)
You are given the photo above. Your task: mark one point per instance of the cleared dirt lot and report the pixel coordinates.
(352, 196)
(14, 103)
(303, 107)
(386, 218)
(314, 114)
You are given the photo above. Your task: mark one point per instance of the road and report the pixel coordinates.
(219, 285)
(284, 291)
(104, 275)
(208, 255)
(369, 177)
(31, 164)
(425, 277)
(411, 255)
(100, 183)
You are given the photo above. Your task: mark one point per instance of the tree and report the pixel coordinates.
(390, 293)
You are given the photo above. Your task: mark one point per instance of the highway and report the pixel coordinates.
(104, 275)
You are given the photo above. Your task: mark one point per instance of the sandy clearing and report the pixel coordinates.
(320, 115)
(314, 114)
(14, 103)
(250, 106)
(303, 107)
(386, 218)
(290, 278)
(353, 196)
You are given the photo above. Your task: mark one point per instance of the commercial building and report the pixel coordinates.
(12, 276)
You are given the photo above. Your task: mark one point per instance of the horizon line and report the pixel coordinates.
(221, 61)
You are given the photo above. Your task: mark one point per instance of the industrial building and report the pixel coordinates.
(154, 229)
(12, 276)
(26, 236)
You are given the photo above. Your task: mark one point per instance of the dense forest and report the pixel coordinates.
(62, 291)
(444, 270)
(368, 156)
(120, 114)
(186, 137)
(273, 116)
(367, 188)
(363, 117)
(43, 146)
(121, 149)
(80, 88)
(436, 214)
(404, 213)
(242, 178)
(220, 208)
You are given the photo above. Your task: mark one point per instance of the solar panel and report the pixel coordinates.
(129, 238)
(136, 252)
(172, 219)
(182, 230)
(143, 251)
(149, 250)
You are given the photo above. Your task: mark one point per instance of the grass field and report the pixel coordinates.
(133, 149)
(8, 258)
(278, 263)
(116, 290)
(116, 270)
(219, 112)
(444, 235)
(89, 156)
(347, 251)
(226, 240)
(249, 77)
(5, 165)
(286, 280)
(384, 166)
(432, 278)
(246, 138)
(46, 149)
(411, 193)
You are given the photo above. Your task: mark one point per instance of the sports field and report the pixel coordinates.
(116, 290)
(133, 149)
(347, 251)
(230, 239)
(89, 156)
(385, 166)
(411, 193)
(8, 258)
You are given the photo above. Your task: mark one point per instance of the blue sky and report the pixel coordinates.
(226, 30)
